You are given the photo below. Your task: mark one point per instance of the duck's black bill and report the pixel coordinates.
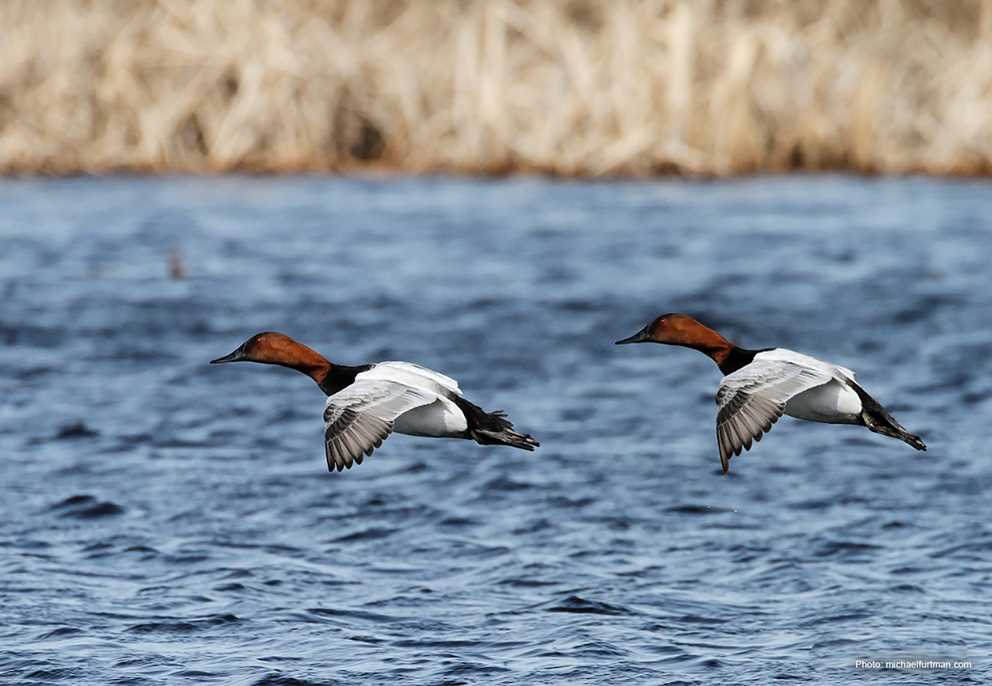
(237, 356)
(639, 337)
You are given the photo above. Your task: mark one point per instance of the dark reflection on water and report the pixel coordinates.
(164, 521)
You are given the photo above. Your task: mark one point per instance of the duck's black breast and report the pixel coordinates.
(341, 376)
(739, 357)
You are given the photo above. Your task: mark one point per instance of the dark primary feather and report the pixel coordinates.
(753, 398)
(358, 418)
(350, 436)
(744, 417)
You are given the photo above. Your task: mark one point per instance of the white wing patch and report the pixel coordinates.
(751, 399)
(846, 372)
(786, 355)
(413, 375)
(358, 418)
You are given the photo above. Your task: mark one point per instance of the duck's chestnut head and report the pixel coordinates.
(272, 347)
(671, 329)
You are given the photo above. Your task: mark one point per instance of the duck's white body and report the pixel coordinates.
(832, 402)
(781, 381)
(435, 414)
(440, 419)
(408, 399)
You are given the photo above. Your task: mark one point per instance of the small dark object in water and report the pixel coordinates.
(76, 430)
(177, 267)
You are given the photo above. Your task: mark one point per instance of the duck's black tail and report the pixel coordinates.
(877, 419)
(493, 428)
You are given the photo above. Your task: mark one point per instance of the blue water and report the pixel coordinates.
(165, 521)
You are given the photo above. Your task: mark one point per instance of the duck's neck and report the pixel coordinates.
(728, 356)
(330, 377)
(735, 358)
(304, 360)
(706, 341)
(339, 376)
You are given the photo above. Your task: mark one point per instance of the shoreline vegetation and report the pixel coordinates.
(563, 87)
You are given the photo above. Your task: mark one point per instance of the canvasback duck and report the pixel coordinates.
(759, 386)
(366, 403)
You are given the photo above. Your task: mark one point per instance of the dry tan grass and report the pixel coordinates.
(574, 87)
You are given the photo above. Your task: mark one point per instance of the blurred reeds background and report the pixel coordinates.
(575, 87)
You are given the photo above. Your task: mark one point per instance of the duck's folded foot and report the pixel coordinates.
(492, 428)
(505, 437)
(913, 440)
(883, 423)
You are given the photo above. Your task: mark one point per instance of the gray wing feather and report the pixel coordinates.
(753, 398)
(360, 417)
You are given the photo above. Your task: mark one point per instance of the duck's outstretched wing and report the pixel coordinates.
(751, 399)
(358, 418)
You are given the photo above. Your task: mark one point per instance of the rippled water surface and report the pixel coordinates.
(165, 521)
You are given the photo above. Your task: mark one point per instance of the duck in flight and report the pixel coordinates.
(368, 402)
(759, 386)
